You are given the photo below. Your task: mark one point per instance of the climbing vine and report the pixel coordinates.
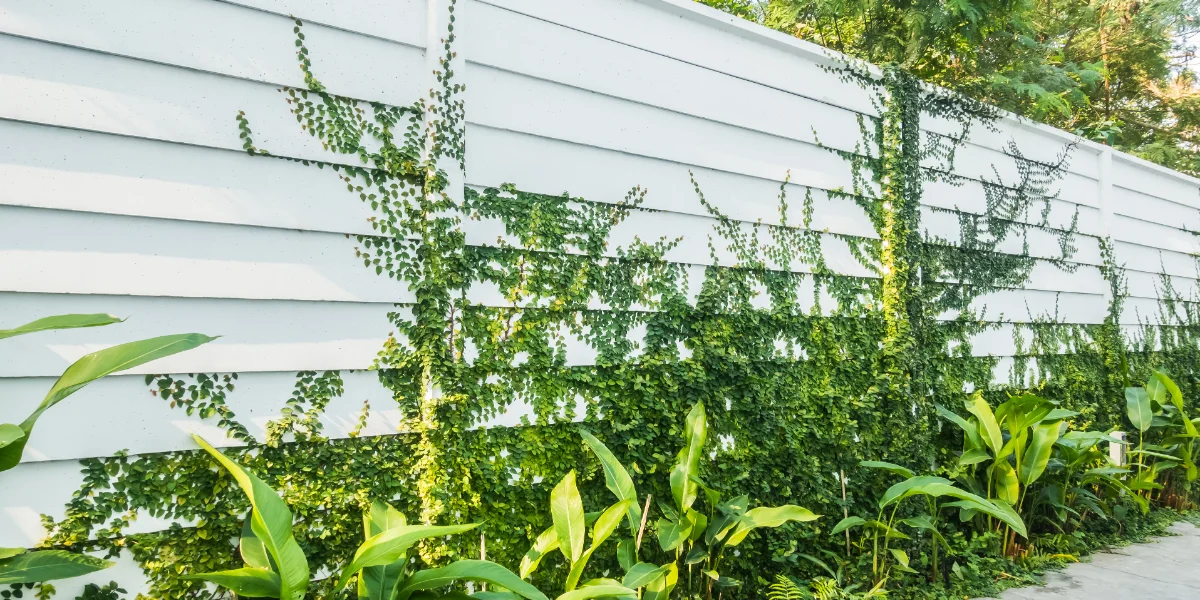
(805, 370)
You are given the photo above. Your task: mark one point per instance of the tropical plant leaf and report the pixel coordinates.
(616, 479)
(641, 574)
(683, 488)
(1037, 456)
(253, 550)
(92, 367)
(660, 589)
(974, 457)
(10, 433)
(937, 486)
(10, 552)
(989, 429)
(545, 543)
(847, 523)
(671, 534)
(970, 430)
(1005, 481)
(1137, 407)
(61, 322)
(379, 582)
(566, 510)
(769, 517)
(48, 565)
(249, 582)
(467, 570)
(1172, 391)
(599, 591)
(271, 521)
(887, 466)
(393, 544)
(626, 554)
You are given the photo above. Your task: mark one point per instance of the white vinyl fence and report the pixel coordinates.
(124, 188)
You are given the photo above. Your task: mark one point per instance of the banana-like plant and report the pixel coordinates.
(700, 539)
(568, 534)
(1081, 480)
(1013, 462)
(886, 529)
(16, 564)
(275, 565)
(1159, 405)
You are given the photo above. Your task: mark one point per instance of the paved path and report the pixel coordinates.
(1167, 568)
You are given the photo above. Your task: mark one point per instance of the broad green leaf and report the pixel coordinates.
(698, 523)
(608, 521)
(626, 554)
(1176, 399)
(393, 544)
(671, 534)
(1037, 456)
(61, 322)
(971, 430)
(1155, 390)
(10, 552)
(10, 433)
(254, 551)
(545, 543)
(847, 523)
(974, 457)
(926, 523)
(271, 522)
(599, 591)
(1015, 443)
(380, 518)
(887, 466)
(1005, 482)
(936, 487)
(1137, 406)
(728, 515)
(379, 582)
(617, 479)
(660, 589)
(900, 556)
(600, 581)
(687, 466)
(641, 574)
(1060, 414)
(92, 367)
(989, 429)
(48, 565)
(249, 582)
(566, 509)
(769, 517)
(467, 570)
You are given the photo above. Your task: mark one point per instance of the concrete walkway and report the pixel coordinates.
(1167, 568)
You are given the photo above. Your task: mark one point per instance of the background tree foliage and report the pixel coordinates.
(1114, 71)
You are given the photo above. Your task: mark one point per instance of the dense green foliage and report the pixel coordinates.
(1114, 71)
(803, 373)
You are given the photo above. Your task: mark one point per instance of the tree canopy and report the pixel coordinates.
(1113, 71)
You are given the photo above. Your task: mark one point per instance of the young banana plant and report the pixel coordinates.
(569, 535)
(1159, 405)
(1078, 470)
(932, 489)
(700, 539)
(275, 565)
(1015, 462)
(16, 564)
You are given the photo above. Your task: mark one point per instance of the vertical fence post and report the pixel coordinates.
(1105, 188)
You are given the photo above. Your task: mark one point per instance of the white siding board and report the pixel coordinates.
(68, 87)
(111, 254)
(52, 167)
